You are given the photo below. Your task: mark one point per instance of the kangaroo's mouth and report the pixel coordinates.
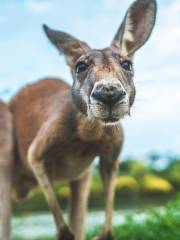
(109, 120)
(106, 115)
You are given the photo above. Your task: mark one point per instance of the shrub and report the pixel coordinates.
(134, 168)
(64, 192)
(96, 186)
(127, 182)
(152, 183)
(172, 174)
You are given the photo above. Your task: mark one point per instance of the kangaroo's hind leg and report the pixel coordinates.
(6, 162)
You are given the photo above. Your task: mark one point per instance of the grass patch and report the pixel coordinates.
(157, 226)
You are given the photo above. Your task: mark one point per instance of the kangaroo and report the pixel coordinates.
(52, 131)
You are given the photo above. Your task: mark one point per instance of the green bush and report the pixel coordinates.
(127, 182)
(154, 184)
(96, 186)
(134, 168)
(64, 192)
(172, 174)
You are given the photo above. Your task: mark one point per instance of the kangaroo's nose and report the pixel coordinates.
(108, 94)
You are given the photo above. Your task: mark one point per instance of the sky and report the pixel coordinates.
(26, 56)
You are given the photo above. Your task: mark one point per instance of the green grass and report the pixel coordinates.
(157, 226)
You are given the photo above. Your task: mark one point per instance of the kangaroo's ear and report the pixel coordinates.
(136, 27)
(71, 47)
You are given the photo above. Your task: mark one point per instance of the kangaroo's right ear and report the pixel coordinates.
(136, 27)
(71, 47)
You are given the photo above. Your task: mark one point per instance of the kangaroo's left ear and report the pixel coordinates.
(136, 27)
(71, 47)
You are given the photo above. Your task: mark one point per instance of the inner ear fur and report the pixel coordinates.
(136, 27)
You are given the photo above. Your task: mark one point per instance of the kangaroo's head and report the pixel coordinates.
(103, 87)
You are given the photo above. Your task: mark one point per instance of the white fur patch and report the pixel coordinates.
(111, 123)
(127, 36)
(86, 100)
(82, 91)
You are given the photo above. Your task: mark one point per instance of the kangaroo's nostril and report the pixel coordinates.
(95, 94)
(99, 96)
(118, 96)
(122, 94)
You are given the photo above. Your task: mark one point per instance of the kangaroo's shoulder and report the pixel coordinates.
(44, 88)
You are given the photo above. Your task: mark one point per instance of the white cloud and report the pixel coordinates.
(36, 6)
(113, 4)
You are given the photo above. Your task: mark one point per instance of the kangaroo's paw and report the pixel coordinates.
(65, 234)
(105, 236)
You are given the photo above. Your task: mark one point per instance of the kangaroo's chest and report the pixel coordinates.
(69, 160)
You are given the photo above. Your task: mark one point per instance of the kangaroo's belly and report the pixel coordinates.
(68, 168)
(71, 164)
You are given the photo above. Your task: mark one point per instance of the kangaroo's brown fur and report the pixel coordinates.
(6, 166)
(58, 130)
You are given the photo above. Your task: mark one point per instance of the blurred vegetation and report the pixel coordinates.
(158, 225)
(154, 178)
(153, 184)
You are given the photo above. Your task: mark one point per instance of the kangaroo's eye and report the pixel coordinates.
(81, 67)
(127, 65)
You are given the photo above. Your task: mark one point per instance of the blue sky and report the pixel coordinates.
(26, 56)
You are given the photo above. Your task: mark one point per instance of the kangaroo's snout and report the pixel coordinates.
(109, 101)
(108, 94)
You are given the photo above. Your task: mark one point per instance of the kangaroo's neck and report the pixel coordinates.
(89, 130)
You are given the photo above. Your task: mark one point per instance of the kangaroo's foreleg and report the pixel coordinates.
(108, 174)
(35, 159)
(78, 204)
(6, 163)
